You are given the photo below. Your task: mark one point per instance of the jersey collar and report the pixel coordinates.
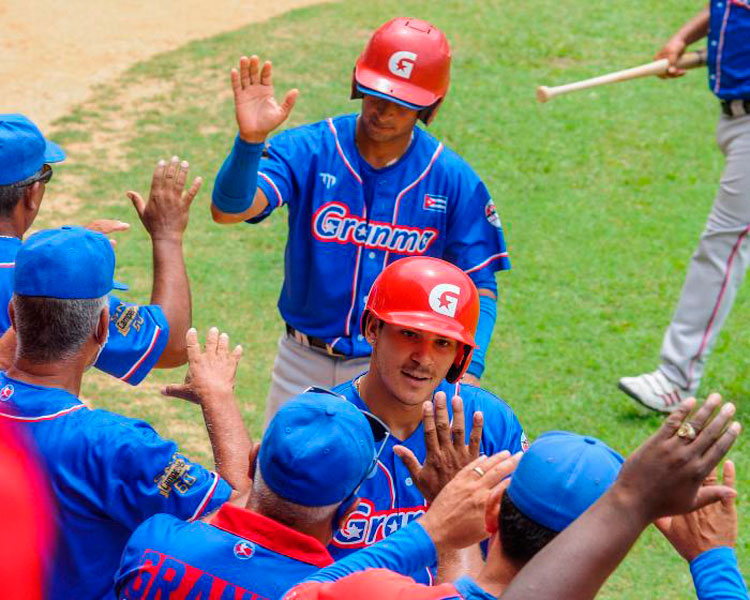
(26, 402)
(272, 535)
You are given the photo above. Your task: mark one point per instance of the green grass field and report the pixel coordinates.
(603, 195)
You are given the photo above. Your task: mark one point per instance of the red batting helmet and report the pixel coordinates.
(407, 61)
(432, 295)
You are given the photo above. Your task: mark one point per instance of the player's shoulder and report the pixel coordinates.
(110, 431)
(447, 159)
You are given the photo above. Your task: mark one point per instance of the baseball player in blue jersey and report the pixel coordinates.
(108, 473)
(362, 191)
(721, 260)
(420, 318)
(141, 337)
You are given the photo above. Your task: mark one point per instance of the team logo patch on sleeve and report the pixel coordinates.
(244, 549)
(6, 392)
(176, 475)
(491, 213)
(435, 203)
(125, 317)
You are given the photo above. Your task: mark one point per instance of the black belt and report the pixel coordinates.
(313, 342)
(735, 108)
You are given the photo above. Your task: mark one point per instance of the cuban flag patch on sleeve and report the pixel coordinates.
(435, 203)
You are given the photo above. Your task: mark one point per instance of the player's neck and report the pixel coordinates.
(497, 572)
(379, 154)
(402, 419)
(62, 374)
(10, 228)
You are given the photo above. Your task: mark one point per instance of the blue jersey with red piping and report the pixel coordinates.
(729, 49)
(237, 554)
(389, 500)
(347, 221)
(108, 473)
(137, 334)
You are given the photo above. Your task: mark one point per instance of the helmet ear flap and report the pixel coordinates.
(355, 93)
(459, 366)
(426, 115)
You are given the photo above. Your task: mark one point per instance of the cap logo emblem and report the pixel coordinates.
(444, 299)
(401, 63)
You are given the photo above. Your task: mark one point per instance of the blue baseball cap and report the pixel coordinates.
(560, 476)
(23, 149)
(316, 450)
(70, 263)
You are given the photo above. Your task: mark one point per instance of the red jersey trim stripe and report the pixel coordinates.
(150, 348)
(275, 189)
(60, 413)
(206, 499)
(720, 49)
(484, 263)
(335, 133)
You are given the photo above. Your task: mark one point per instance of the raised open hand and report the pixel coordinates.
(711, 526)
(255, 107)
(664, 475)
(211, 372)
(447, 451)
(165, 215)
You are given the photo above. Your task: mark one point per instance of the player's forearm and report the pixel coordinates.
(235, 195)
(171, 291)
(230, 441)
(717, 576)
(407, 551)
(581, 558)
(695, 29)
(485, 327)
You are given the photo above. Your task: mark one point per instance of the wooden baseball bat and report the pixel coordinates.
(689, 60)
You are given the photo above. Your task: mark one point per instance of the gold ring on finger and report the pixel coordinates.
(479, 471)
(687, 432)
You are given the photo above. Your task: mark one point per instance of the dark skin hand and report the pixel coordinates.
(662, 477)
(712, 526)
(165, 218)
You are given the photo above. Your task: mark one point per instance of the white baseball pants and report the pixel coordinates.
(297, 367)
(718, 266)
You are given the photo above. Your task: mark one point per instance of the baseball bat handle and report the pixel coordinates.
(689, 60)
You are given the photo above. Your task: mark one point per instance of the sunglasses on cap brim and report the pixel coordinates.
(43, 175)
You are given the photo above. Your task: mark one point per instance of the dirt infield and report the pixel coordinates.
(53, 52)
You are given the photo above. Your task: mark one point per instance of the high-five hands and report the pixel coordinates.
(711, 526)
(257, 111)
(211, 372)
(165, 215)
(447, 451)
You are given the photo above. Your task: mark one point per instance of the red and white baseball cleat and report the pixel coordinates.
(654, 391)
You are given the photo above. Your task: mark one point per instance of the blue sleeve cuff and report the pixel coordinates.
(716, 575)
(485, 327)
(234, 189)
(406, 551)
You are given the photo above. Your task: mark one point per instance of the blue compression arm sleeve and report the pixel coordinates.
(487, 318)
(717, 576)
(237, 180)
(406, 551)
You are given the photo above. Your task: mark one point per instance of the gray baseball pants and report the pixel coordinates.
(297, 367)
(718, 266)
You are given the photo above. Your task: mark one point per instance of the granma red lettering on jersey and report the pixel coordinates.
(333, 222)
(165, 577)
